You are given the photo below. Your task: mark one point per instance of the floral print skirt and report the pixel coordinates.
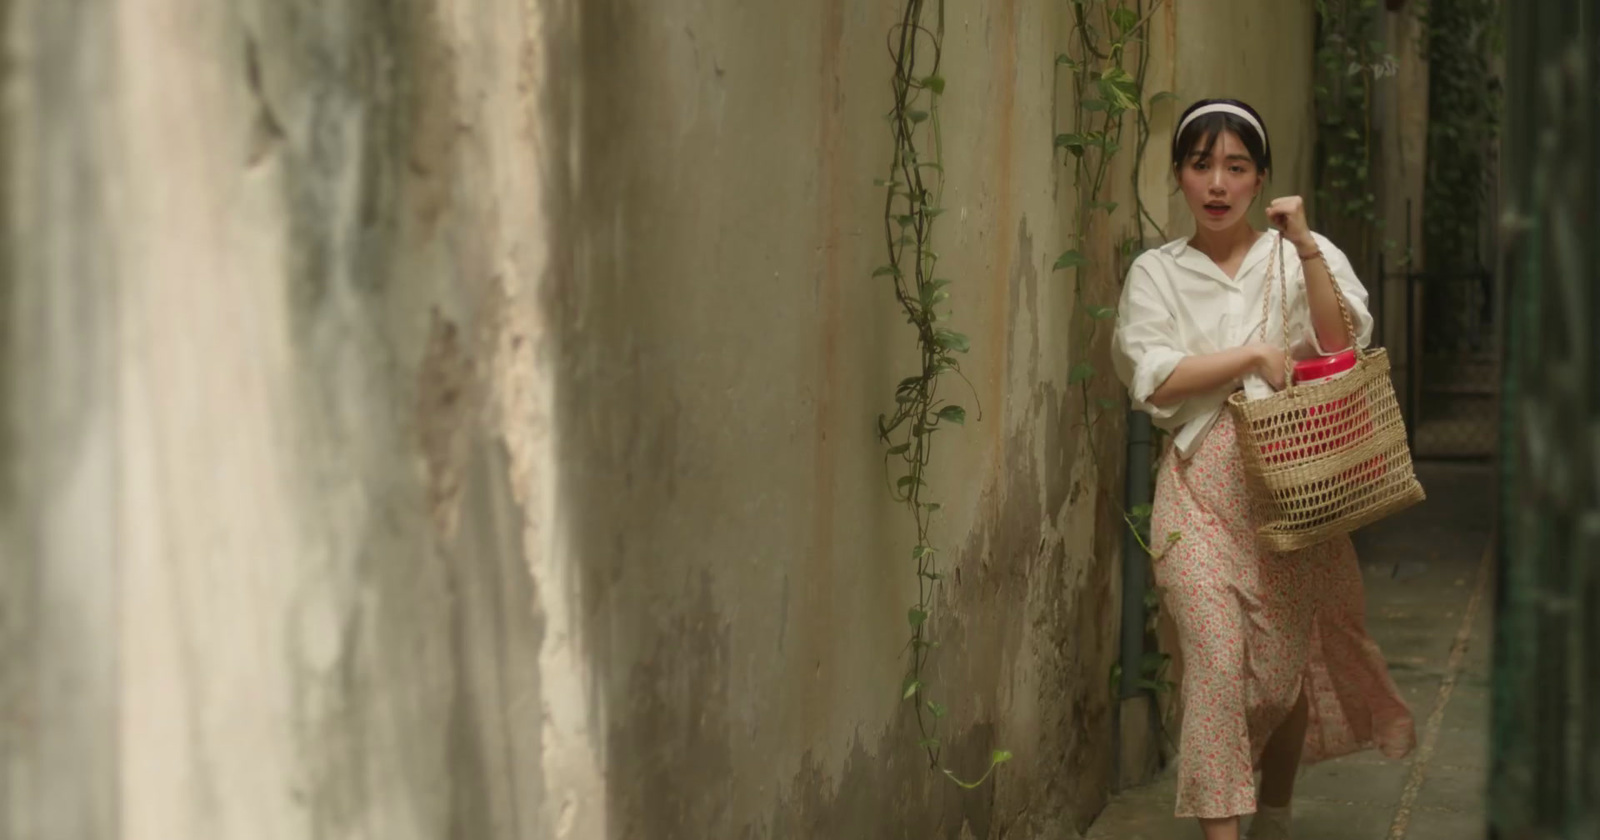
(1255, 629)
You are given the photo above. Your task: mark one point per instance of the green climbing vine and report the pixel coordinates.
(1105, 94)
(1142, 131)
(1350, 60)
(912, 193)
(1155, 663)
(1107, 64)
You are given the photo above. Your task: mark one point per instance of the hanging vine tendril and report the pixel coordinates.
(1104, 94)
(912, 195)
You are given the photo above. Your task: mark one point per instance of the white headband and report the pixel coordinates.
(1225, 108)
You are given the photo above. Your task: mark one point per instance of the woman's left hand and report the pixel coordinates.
(1288, 214)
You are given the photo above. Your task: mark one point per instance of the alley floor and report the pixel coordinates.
(1430, 604)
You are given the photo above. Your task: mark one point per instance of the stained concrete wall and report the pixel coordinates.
(747, 576)
(1260, 53)
(277, 517)
(456, 419)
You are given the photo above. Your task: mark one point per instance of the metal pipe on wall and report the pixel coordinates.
(1137, 490)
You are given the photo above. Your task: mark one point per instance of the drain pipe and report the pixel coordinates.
(1137, 490)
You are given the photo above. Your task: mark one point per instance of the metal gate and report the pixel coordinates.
(1453, 364)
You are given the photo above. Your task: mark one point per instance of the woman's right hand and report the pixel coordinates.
(1206, 372)
(1272, 364)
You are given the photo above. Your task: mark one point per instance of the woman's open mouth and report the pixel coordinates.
(1217, 211)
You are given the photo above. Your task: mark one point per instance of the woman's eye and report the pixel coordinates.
(1238, 170)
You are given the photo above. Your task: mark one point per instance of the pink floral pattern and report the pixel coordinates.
(1254, 627)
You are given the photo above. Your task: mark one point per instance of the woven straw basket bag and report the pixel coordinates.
(1324, 459)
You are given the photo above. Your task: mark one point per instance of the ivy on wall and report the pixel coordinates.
(913, 190)
(1463, 38)
(1108, 90)
(1350, 59)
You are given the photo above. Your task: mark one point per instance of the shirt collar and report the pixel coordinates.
(1194, 260)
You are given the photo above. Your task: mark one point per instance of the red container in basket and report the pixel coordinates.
(1333, 424)
(1324, 368)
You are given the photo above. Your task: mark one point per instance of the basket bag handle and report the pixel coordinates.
(1283, 286)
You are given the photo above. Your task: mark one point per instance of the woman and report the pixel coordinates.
(1278, 667)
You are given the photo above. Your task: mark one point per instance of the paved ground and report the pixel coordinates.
(1430, 608)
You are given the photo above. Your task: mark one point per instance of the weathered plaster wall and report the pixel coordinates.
(1258, 52)
(278, 550)
(456, 419)
(746, 576)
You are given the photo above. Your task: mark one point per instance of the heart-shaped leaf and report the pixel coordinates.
(1071, 259)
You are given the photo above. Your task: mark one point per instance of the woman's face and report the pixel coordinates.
(1221, 186)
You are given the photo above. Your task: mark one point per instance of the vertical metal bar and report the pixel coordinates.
(1137, 491)
(1379, 328)
(1409, 407)
(1413, 360)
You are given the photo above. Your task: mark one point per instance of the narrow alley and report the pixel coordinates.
(719, 420)
(1430, 606)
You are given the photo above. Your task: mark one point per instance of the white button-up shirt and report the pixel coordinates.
(1177, 302)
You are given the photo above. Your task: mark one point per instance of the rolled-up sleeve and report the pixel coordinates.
(1350, 288)
(1146, 348)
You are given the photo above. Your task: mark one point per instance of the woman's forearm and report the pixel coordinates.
(1207, 372)
(1322, 296)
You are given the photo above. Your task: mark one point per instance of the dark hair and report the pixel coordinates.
(1200, 136)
